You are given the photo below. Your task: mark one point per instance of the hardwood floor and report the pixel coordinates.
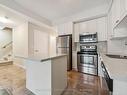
(13, 79)
(83, 84)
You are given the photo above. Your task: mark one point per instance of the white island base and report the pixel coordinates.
(48, 76)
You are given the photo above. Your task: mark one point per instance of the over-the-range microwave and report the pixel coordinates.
(88, 38)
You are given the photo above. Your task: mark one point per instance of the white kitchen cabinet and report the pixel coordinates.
(65, 28)
(88, 27)
(47, 77)
(76, 32)
(102, 29)
(74, 60)
(100, 73)
(30, 40)
(83, 27)
(98, 25)
(110, 25)
(118, 9)
(118, 19)
(92, 26)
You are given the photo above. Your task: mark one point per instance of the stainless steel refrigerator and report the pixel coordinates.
(64, 46)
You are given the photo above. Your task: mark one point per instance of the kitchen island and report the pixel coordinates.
(117, 70)
(47, 76)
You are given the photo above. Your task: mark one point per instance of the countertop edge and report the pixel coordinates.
(43, 59)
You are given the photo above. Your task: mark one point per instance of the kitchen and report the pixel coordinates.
(79, 52)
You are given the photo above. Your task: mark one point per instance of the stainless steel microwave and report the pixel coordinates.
(88, 38)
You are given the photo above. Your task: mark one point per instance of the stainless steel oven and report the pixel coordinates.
(88, 59)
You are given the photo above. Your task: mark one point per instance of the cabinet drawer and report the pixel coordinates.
(87, 70)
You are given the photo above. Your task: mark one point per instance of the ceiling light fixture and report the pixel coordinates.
(5, 20)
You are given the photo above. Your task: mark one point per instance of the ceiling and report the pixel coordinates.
(12, 18)
(56, 9)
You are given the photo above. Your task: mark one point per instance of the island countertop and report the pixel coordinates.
(117, 68)
(45, 75)
(43, 58)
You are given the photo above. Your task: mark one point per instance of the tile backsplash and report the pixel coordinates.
(118, 47)
(102, 47)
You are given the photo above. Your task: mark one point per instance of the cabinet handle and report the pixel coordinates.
(117, 21)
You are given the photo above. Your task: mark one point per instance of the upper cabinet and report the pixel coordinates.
(76, 32)
(102, 29)
(118, 19)
(98, 26)
(118, 10)
(85, 27)
(65, 28)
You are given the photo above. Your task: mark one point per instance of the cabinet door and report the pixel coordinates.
(83, 27)
(76, 32)
(110, 26)
(115, 12)
(100, 73)
(92, 26)
(65, 28)
(41, 44)
(88, 26)
(74, 60)
(123, 6)
(61, 29)
(102, 29)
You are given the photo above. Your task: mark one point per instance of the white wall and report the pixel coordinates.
(24, 42)
(5, 38)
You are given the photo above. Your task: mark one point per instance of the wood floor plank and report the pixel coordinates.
(13, 78)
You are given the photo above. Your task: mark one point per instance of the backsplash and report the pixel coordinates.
(102, 47)
(118, 47)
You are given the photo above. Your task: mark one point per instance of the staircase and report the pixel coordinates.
(6, 54)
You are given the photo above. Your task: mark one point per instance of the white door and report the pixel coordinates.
(41, 44)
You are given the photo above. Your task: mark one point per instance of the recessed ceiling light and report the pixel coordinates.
(5, 20)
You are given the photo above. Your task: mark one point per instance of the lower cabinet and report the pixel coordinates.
(74, 60)
(113, 86)
(100, 73)
(106, 81)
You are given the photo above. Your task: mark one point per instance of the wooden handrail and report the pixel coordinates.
(7, 44)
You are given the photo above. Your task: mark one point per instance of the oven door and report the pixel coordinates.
(87, 60)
